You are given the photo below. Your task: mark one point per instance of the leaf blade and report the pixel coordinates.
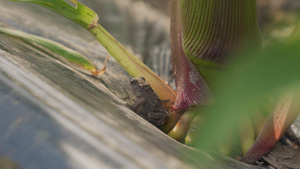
(67, 53)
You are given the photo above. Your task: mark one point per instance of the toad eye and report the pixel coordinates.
(133, 80)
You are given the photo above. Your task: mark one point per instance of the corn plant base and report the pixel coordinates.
(44, 101)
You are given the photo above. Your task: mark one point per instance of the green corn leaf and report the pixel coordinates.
(78, 13)
(191, 87)
(213, 31)
(204, 35)
(67, 53)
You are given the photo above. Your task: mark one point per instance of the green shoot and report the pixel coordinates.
(87, 18)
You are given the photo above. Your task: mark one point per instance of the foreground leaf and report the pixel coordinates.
(275, 69)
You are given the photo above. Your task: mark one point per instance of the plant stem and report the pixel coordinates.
(172, 121)
(179, 132)
(132, 65)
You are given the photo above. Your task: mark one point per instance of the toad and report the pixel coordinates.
(146, 102)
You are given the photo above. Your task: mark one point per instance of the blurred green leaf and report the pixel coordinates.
(241, 89)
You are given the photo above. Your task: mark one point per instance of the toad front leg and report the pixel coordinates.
(157, 118)
(134, 107)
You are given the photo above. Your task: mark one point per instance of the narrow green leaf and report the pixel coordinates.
(79, 14)
(67, 53)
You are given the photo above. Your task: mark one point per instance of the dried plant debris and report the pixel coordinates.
(281, 157)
